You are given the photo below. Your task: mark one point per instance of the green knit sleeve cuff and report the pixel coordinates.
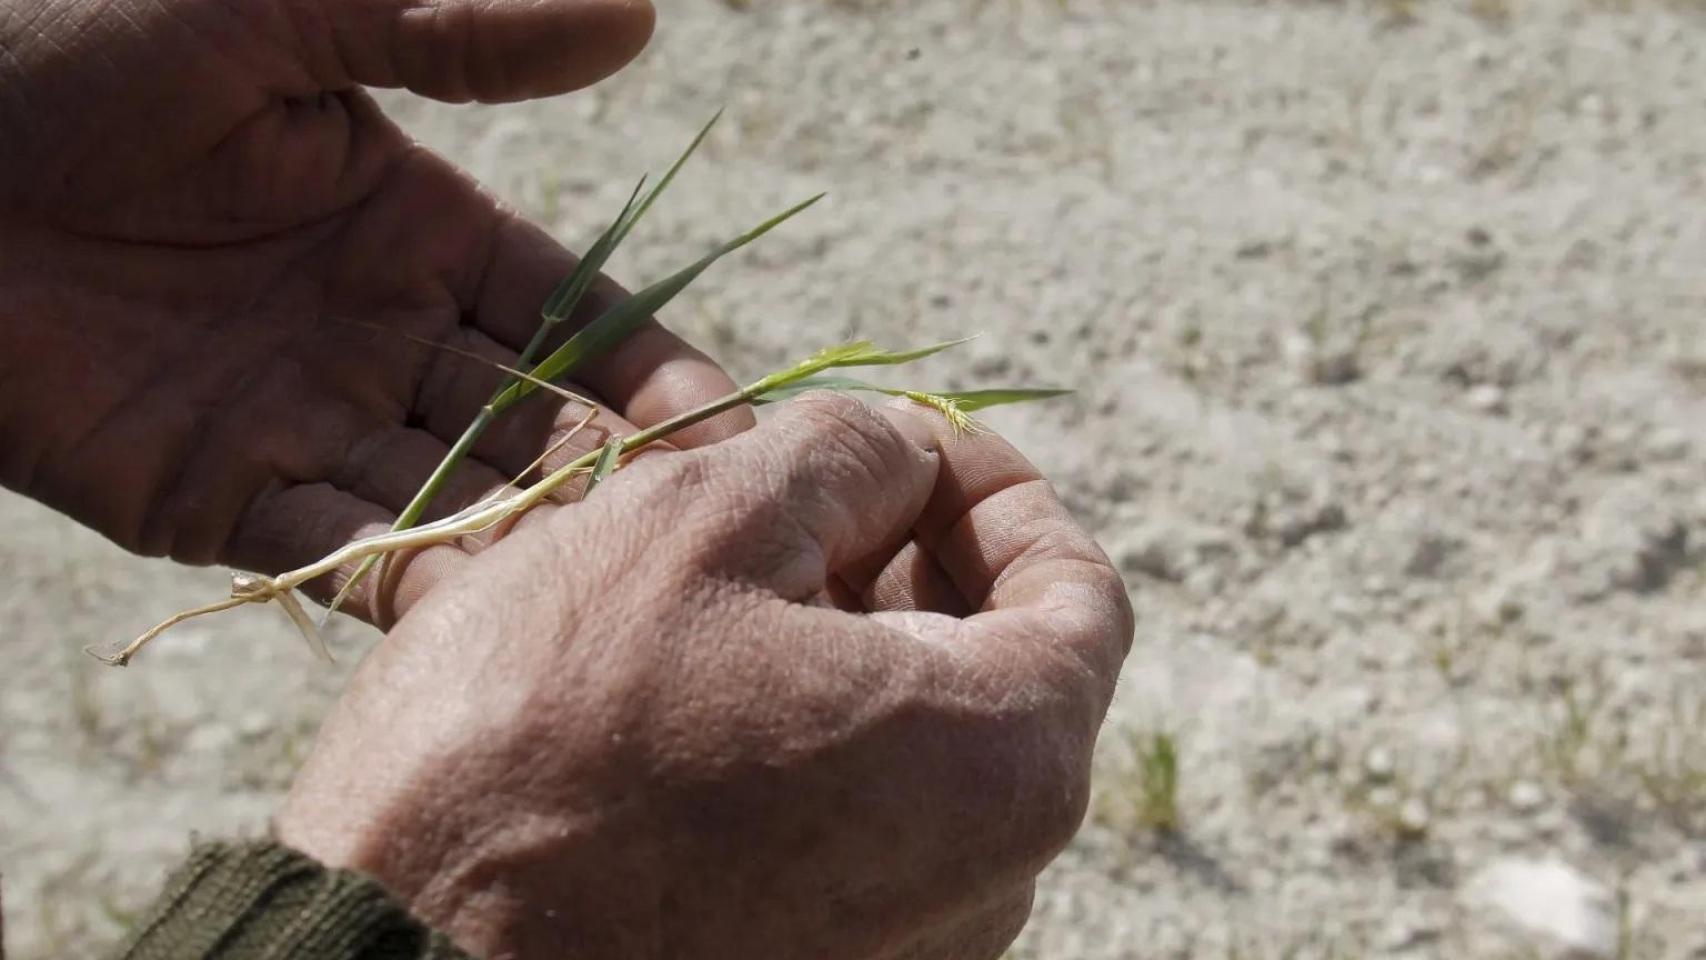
(261, 900)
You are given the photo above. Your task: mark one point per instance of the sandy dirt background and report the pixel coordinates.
(1389, 325)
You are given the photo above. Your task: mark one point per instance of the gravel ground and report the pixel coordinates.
(1389, 325)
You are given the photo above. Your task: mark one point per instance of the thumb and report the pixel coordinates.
(486, 50)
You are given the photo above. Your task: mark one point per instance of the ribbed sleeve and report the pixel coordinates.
(261, 901)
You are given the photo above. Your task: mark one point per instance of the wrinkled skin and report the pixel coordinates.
(827, 689)
(670, 748)
(196, 200)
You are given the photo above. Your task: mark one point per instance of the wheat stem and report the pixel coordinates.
(482, 516)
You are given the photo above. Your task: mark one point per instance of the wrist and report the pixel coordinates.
(465, 866)
(238, 900)
(346, 831)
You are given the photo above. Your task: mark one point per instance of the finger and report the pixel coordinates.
(900, 575)
(824, 482)
(459, 50)
(912, 579)
(388, 468)
(457, 385)
(651, 376)
(989, 504)
(527, 441)
(291, 527)
(1018, 556)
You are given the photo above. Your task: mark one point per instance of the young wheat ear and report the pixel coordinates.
(951, 409)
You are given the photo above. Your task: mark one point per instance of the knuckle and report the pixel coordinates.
(830, 427)
(825, 414)
(1094, 614)
(676, 501)
(829, 406)
(712, 519)
(1107, 632)
(994, 930)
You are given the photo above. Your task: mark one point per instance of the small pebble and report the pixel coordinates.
(1667, 444)
(1334, 367)
(1413, 817)
(1487, 398)
(254, 723)
(1378, 765)
(1570, 913)
(1526, 796)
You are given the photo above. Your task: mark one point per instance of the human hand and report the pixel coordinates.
(640, 728)
(197, 197)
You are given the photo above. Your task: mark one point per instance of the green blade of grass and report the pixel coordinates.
(956, 406)
(864, 353)
(966, 400)
(484, 515)
(563, 300)
(668, 176)
(571, 288)
(605, 465)
(860, 353)
(609, 329)
(838, 384)
(616, 323)
(559, 306)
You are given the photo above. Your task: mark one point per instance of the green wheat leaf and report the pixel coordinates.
(838, 384)
(559, 306)
(562, 301)
(967, 401)
(864, 353)
(605, 465)
(616, 323)
(568, 293)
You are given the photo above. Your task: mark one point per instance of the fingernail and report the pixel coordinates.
(903, 413)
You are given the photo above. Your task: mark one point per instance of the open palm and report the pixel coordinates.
(203, 219)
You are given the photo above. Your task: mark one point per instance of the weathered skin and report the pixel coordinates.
(674, 745)
(195, 198)
(827, 689)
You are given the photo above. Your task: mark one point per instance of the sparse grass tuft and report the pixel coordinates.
(1141, 793)
(1568, 748)
(1159, 761)
(1672, 774)
(1585, 749)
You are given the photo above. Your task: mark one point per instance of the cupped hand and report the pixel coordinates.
(828, 689)
(203, 218)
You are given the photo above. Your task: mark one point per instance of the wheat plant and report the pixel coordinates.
(527, 377)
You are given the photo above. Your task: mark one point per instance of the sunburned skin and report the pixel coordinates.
(211, 280)
(487, 514)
